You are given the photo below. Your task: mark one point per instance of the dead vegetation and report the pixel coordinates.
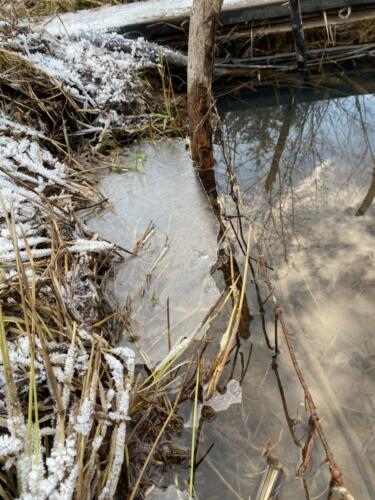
(68, 391)
(66, 388)
(35, 8)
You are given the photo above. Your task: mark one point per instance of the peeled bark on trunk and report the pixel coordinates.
(203, 23)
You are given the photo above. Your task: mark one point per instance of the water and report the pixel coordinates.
(303, 202)
(305, 171)
(161, 204)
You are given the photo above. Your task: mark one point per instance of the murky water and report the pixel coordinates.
(305, 172)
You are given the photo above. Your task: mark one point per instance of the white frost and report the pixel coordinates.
(84, 418)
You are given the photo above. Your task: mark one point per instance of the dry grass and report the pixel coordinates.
(46, 407)
(38, 8)
(68, 397)
(46, 399)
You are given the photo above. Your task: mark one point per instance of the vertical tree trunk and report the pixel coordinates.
(203, 23)
(298, 35)
(369, 198)
(288, 117)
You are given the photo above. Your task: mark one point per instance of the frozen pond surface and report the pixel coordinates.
(174, 261)
(123, 17)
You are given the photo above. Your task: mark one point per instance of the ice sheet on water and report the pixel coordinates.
(114, 17)
(176, 260)
(232, 396)
(171, 493)
(218, 402)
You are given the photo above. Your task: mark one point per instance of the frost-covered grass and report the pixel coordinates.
(99, 73)
(64, 391)
(31, 179)
(65, 388)
(103, 78)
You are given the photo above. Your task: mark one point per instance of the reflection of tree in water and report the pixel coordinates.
(296, 162)
(304, 174)
(365, 205)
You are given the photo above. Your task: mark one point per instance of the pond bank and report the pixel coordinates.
(65, 384)
(79, 418)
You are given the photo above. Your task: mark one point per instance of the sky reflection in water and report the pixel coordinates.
(304, 172)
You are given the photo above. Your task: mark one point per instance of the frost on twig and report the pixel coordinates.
(120, 416)
(54, 474)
